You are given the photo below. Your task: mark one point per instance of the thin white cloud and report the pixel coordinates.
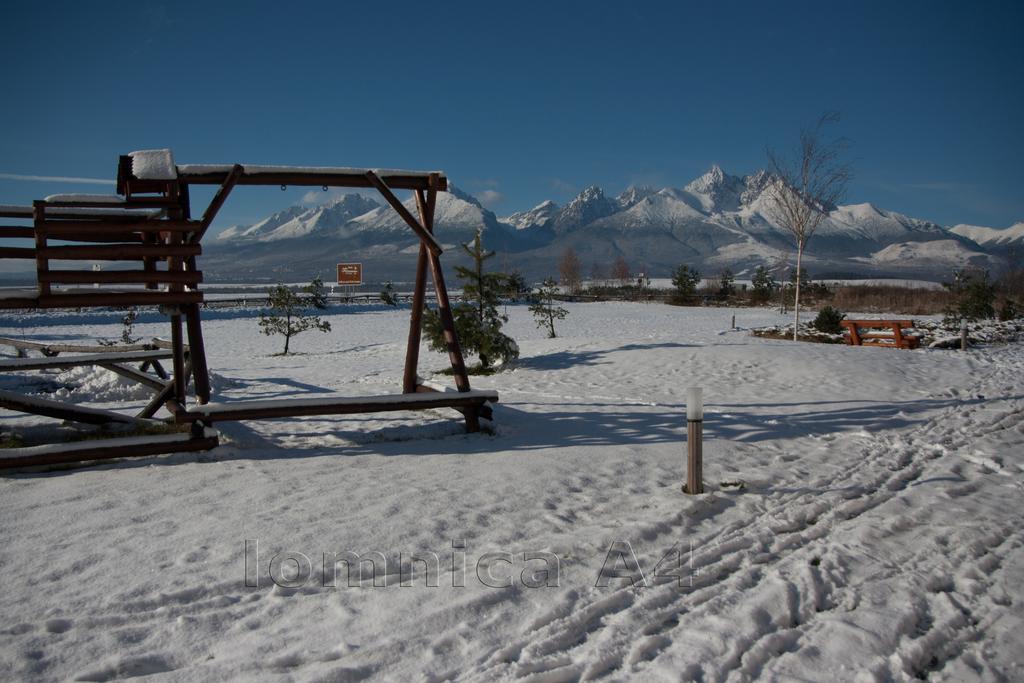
(55, 179)
(490, 197)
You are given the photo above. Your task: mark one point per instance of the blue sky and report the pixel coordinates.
(521, 102)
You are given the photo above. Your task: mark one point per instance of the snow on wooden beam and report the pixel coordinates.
(8, 364)
(127, 447)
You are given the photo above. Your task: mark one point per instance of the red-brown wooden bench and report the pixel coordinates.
(885, 333)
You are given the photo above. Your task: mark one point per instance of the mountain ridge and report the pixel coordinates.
(715, 221)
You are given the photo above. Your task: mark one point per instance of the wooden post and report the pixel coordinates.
(412, 351)
(444, 309)
(177, 346)
(197, 353)
(963, 335)
(695, 456)
(734, 321)
(42, 262)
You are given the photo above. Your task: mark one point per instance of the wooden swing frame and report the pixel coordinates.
(151, 221)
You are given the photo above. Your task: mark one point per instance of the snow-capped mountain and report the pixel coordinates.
(587, 207)
(939, 254)
(298, 221)
(717, 191)
(633, 195)
(715, 221)
(1012, 236)
(539, 216)
(457, 217)
(314, 239)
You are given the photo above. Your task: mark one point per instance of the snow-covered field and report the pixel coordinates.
(877, 534)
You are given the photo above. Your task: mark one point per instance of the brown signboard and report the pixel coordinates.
(350, 273)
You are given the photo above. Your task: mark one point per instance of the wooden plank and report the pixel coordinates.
(261, 410)
(63, 411)
(110, 237)
(882, 322)
(129, 203)
(121, 276)
(121, 252)
(134, 375)
(116, 214)
(48, 347)
(17, 231)
(100, 297)
(299, 178)
(105, 449)
(85, 230)
(18, 364)
(18, 302)
(403, 212)
(16, 212)
(18, 252)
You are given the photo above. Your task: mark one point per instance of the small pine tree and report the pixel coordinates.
(127, 325)
(515, 285)
(971, 297)
(726, 285)
(288, 311)
(544, 309)
(685, 280)
(828, 320)
(387, 295)
(477, 321)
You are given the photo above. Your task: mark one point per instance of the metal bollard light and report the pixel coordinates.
(694, 439)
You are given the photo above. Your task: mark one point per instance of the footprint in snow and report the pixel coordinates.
(58, 625)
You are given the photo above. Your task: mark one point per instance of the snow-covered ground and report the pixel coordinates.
(877, 534)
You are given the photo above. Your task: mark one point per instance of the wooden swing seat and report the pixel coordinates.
(466, 401)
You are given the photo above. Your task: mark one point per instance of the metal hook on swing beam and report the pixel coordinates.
(283, 188)
(324, 188)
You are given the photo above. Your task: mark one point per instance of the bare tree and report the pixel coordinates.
(805, 187)
(569, 270)
(620, 271)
